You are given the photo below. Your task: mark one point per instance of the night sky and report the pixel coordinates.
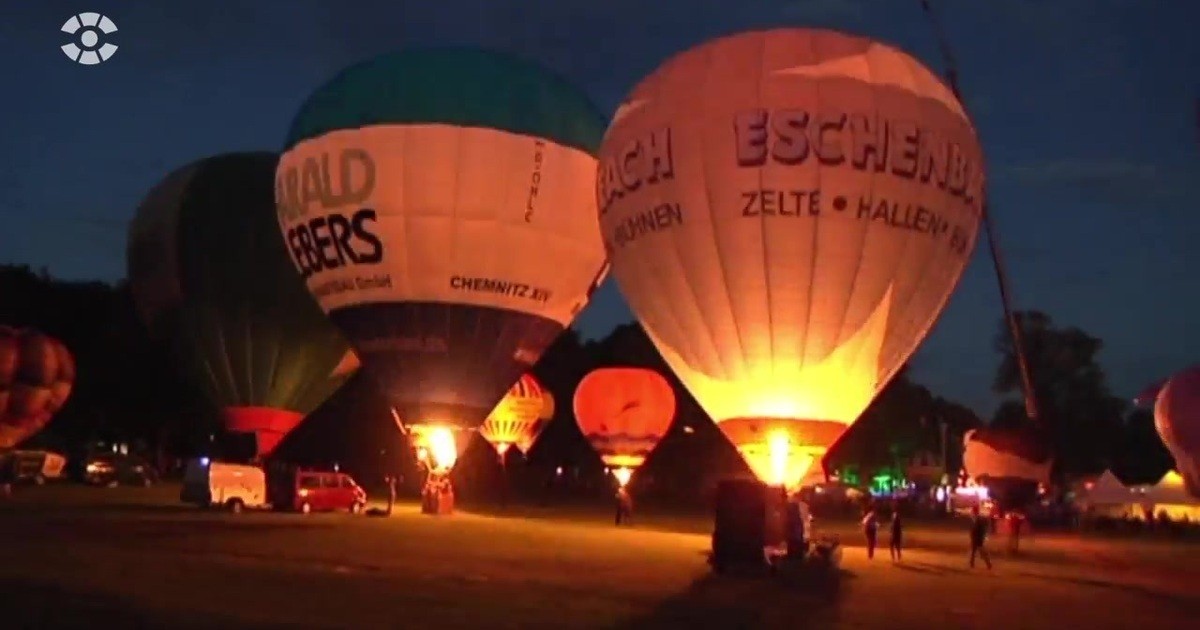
(1086, 109)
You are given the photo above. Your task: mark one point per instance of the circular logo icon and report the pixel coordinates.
(88, 31)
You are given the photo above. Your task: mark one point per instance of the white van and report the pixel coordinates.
(33, 466)
(218, 484)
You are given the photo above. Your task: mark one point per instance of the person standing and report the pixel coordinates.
(391, 482)
(870, 525)
(624, 506)
(979, 529)
(896, 541)
(797, 527)
(1016, 522)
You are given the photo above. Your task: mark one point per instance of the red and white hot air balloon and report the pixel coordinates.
(787, 212)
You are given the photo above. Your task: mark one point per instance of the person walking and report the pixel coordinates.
(979, 529)
(896, 541)
(870, 525)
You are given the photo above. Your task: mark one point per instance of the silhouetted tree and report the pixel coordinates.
(904, 420)
(1139, 456)
(128, 388)
(1079, 416)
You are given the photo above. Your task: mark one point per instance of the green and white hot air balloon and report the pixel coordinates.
(440, 204)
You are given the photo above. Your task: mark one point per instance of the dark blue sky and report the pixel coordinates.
(1086, 110)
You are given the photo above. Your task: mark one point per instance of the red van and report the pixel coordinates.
(312, 491)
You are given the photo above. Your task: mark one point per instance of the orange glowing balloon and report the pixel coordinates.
(36, 376)
(624, 413)
(787, 212)
(517, 420)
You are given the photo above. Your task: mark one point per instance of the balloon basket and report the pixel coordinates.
(437, 497)
(747, 527)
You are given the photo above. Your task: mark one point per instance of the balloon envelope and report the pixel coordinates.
(787, 212)
(439, 204)
(1011, 463)
(36, 376)
(516, 420)
(1177, 418)
(624, 413)
(210, 275)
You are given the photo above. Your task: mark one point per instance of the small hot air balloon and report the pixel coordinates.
(545, 415)
(439, 204)
(1177, 418)
(211, 278)
(787, 212)
(519, 417)
(1011, 463)
(624, 413)
(36, 376)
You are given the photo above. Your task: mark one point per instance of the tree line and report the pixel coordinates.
(128, 390)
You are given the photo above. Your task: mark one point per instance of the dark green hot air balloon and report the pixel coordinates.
(210, 276)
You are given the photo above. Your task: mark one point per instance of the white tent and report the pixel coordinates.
(1106, 496)
(1108, 490)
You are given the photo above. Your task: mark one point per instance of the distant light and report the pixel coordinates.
(687, 428)
(203, 461)
(558, 471)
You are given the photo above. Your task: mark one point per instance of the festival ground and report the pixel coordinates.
(137, 558)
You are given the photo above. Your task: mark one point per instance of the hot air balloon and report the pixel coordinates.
(624, 413)
(1010, 462)
(519, 417)
(212, 279)
(438, 203)
(1177, 418)
(787, 212)
(36, 376)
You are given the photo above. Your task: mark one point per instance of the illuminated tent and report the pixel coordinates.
(439, 204)
(787, 212)
(37, 373)
(1170, 496)
(211, 278)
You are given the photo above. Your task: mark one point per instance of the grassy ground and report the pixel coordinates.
(74, 557)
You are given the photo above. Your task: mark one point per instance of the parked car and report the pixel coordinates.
(219, 484)
(112, 469)
(315, 491)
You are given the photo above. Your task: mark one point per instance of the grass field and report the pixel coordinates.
(91, 557)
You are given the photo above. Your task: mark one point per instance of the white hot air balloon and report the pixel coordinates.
(787, 212)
